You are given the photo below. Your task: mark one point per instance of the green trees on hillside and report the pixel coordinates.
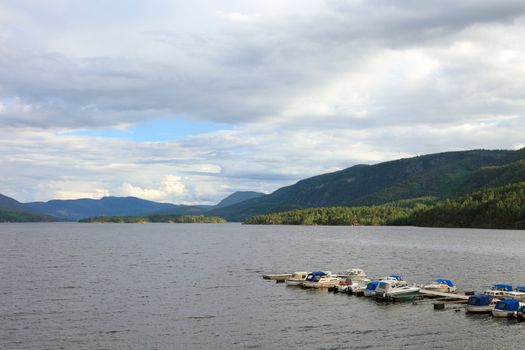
(498, 207)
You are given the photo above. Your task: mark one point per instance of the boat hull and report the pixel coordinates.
(396, 296)
(503, 314)
(476, 309)
(294, 283)
(331, 284)
(278, 277)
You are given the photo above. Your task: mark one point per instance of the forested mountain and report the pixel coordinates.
(500, 207)
(14, 211)
(441, 175)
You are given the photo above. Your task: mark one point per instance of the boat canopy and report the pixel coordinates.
(397, 277)
(508, 305)
(372, 285)
(480, 300)
(447, 282)
(315, 276)
(503, 287)
(520, 288)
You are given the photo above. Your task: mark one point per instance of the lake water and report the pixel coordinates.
(192, 286)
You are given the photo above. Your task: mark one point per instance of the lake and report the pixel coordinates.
(199, 286)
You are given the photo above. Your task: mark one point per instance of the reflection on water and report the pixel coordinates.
(165, 286)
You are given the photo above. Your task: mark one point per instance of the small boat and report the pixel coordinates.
(279, 277)
(296, 279)
(370, 289)
(390, 290)
(507, 308)
(354, 274)
(499, 290)
(516, 294)
(321, 279)
(480, 303)
(441, 285)
(351, 286)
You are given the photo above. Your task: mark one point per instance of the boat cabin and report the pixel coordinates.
(479, 300)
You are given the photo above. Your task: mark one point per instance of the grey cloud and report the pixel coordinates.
(240, 75)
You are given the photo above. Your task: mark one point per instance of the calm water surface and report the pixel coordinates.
(176, 286)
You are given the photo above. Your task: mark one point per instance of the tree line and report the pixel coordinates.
(497, 207)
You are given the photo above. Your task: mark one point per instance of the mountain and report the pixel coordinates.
(14, 211)
(440, 175)
(76, 209)
(238, 197)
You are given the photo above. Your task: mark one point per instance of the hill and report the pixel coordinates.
(441, 175)
(76, 209)
(238, 197)
(14, 211)
(501, 207)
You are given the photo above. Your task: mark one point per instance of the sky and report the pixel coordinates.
(188, 101)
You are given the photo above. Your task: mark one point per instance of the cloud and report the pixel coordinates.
(305, 87)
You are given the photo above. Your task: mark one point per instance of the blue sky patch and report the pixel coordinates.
(158, 130)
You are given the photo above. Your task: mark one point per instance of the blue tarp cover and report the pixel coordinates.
(397, 277)
(480, 300)
(372, 285)
(508, 305)
(505, 287)
(448, 282)
(315, 276)
(520, 288)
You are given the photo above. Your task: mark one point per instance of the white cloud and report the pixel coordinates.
(310, 87)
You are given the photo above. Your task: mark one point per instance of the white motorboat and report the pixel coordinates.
(507, 308)
(296, 279)
(441, 285)
(354, 274)
(480, 303)
(279, 277)
(395, 290)
(321, 279)
(351, 286)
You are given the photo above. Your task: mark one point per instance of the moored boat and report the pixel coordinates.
(500, 291)
(441, 285)
(370, 289)
(480, 303)
(390, 290)
(321, 279)
(296, 279)
(280, 277)
(507, 308)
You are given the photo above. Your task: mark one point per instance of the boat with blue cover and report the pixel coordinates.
(517, 294)
(499, 290)
(321, 279)
(393, 289)
(370, 289)
(507, 308)
(441, 285)
(480, 303)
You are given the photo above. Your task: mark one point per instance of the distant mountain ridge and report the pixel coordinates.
(440, 175)
(76, 209)
(436, 176)
(237, 197)
(13, 211)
